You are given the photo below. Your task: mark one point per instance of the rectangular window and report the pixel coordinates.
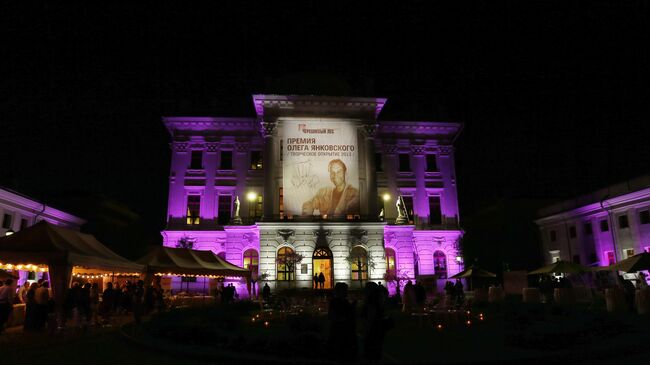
(226, 160)
(588, 230)
(432, 165)
(7, 220)
(193, 209)
(572, 231)
(604, 227)
(379, 166)
(225, 207)
(281, 149)
(197, 160)
(404, 162)
(435, 216)
(24, 223)
(622, 221)
(629, 252)
(258, 207)
(555, 255)
(644, 217)
(408, 204)
(609, 256)
(256, 160)
(553, 236)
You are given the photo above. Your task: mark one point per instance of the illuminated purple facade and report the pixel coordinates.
(217, 160)
(600, 228)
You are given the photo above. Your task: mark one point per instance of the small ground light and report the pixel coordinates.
(469, 323)
(439, 327)
(266, 324)
(253, 319)
(468, 312)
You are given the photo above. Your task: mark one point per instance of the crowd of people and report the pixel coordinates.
(455, 293)
(342, 317)
(85, 303)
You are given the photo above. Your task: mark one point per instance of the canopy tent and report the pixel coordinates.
(187, 262)
(563, 267)
(473, 272)
(7, 275)
(634, 263)
(60, 250)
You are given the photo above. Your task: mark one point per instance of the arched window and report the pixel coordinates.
(390, 259)
(440, 264)
(251, 261)
(359, 263)
(285, 270)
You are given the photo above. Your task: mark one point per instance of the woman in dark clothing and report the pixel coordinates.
(342, 337)
(31, 315)
(376, 325)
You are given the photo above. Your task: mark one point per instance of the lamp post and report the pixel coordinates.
(251, 197)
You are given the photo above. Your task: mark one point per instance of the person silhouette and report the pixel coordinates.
(321, 280)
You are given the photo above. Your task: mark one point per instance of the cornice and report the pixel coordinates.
(612, 204)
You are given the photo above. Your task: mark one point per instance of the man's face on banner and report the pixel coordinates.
(337, 174)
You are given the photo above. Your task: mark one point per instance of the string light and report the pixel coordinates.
(25, 267)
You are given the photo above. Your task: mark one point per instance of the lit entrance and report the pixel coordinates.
(322, 263)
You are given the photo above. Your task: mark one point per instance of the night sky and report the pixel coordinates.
(554, 96)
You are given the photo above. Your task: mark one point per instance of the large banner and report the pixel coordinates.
(320, 168)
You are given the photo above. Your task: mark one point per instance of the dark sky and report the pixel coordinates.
(554, 96)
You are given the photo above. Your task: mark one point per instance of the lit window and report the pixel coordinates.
(440, 264)
(251, 261)
(390, 259)
(285, 272)
(193, 209)
(256, 160)
(609, 255)
(359, 266)
(629, 252)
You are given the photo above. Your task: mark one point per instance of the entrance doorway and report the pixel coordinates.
(322, 263)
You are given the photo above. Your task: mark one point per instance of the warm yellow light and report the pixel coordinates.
(251, 196)
(469, 322)
(386, 197)
(266, 323)
(439, 327)
(19, 267)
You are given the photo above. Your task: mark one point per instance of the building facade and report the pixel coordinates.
(18, 212)
(319, 177)
(601, 228)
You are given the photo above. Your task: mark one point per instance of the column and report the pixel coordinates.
(371, 172)
(420, 198)
(268, 129)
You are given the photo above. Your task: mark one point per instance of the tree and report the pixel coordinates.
(289, 261)
(186, 242)
(360, 258)
(396, 277)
